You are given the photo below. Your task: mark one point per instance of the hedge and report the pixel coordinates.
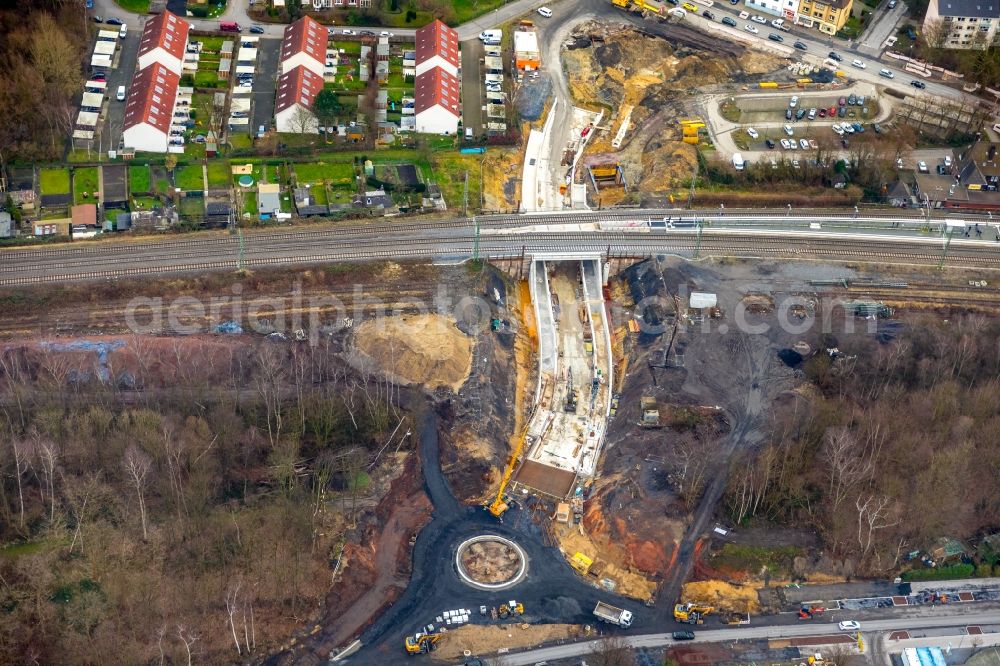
(940, 573)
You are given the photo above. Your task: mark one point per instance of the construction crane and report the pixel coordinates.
(570, 406)
(421, 643)
(502, 501)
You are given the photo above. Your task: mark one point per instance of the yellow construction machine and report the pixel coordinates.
(421, 643)
(502, 501)
(512, 608)
(692, 613)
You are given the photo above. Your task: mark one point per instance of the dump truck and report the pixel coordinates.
(612, 615)
(421, 643)
(691, 613)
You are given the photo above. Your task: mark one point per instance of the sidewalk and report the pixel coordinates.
(883, 25)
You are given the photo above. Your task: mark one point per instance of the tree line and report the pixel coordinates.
(180, 515)
(893, 449)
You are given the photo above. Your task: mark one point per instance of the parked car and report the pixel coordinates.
(941, 170)
(121, 94)
(709, 15)
(860, 101)
(842, 101)
(123, 31)
(918, 84)
(849, 625)
(257, 30)
(833, 55)
(812, 114)
(115, 21)
(788, 114)
(759, 19)
(769, 143)
(892, 4)
(788, 130)
(96, 19)
(813, 145)
(683, 635)
(753, 133)
(858, 63)
(822, 113)
(744, 15)
(804, 144)
(886, 74)
(852, 100)
(774, 37)
(838, 129)
(842, 112)
(728, 21)
(800, 114)
(891, 41)
(347, 31)
(751, 29)
(800, 46)
(786, 144)
(947, 161)
(922, 166)
(792, 103)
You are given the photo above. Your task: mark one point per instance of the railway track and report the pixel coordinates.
(456, 243)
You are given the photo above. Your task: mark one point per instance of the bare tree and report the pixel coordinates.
(188, 638)
(47, 454)
(137, 464)
(20, 450)
(303, 121)
(611, 651)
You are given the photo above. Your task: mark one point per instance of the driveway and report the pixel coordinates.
(878, 30)
(120, 76)
(265, 83)
(472, 85)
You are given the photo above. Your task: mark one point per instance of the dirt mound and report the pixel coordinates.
(484, 640)
(724, 596)
(491, 561)
(423, 349)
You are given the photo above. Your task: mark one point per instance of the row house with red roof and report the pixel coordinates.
(437, 100)
(302, 63)
(152, 98)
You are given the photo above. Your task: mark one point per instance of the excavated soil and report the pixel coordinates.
(490, 562)
(485, 640)
(426, 349)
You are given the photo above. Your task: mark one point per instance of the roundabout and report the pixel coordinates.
(490, 562)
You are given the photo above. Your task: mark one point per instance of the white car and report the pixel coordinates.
(794, 102)
(545, 11)
(891, 41)
(858, 63)
(795, 164)
(899, 162)
(777, 23)
(849, 625)
(753, 133)
(838, 129)
(386, 33)
(804, 144)
(744, 15)
(922, 167)
(751, 28)
(759, 19)
(121, 94)
(347, 31)
(788, 130)
(786, 144)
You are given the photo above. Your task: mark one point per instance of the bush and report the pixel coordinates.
(411, 15)
(940, 573)
(198, 12)
(984, 570)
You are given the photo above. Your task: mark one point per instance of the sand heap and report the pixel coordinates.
(423, 349)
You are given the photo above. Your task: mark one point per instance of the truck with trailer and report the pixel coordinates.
(613, 615)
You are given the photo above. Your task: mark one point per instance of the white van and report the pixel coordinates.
(121, 94)
(122, 31)
(491, 37)
(885, 73)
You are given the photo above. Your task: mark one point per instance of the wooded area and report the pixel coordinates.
(43, 46)
(893, 448)
(172, 502)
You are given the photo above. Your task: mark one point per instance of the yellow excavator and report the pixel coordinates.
(691, 613)
(502, 501)
(421, 643)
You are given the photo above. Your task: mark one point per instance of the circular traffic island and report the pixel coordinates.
(490, 562)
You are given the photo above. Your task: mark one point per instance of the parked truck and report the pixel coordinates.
(609, 613)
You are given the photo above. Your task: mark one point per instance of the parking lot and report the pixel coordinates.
(111, 131)
(472, 85)
(265, 83)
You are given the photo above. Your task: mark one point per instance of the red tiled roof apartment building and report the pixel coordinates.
(437, 86)
(164, 40)
(149, 109)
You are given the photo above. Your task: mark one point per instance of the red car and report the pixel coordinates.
(832, 112)
(822, 113)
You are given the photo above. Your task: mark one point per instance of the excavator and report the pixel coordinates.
(692, 613)
(502, 501)
(421, 643)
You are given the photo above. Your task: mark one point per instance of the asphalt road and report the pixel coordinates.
(119, 76)
(954, 616)
(895, 238)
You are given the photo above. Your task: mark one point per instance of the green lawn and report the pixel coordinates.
(54, 181)
(318, 172)
(466, 10)
(219, 174)
(207, 79)
(189, 177)
(318, 195)
(85, 184)
(144, 203)
(212, 44)
(192, 207)
(134, 6)
(138, 179)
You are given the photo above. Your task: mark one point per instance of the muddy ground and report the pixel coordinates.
(620, 68)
